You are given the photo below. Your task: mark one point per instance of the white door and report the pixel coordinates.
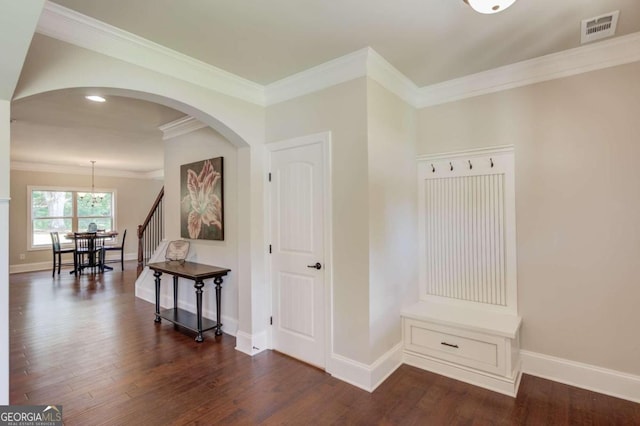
(297, 252)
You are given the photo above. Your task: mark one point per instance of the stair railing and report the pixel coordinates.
(151, 232)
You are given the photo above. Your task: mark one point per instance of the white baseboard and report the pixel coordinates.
(43, 266)
(367, 377)
(475, 377)
(33, 267)
(251, 344)
(384, 366)
(590, 377)
(145, 293)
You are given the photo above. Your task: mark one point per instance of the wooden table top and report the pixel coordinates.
(189, 270)
(106, 234)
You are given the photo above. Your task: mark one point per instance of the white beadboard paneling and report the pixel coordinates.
(465, 238)
(467, 228)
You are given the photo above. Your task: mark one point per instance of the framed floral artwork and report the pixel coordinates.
(202, 203)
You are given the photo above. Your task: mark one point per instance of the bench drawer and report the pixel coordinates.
(475, 350)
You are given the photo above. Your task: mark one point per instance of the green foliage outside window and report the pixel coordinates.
(53, 211)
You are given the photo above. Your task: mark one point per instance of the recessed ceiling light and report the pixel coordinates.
(95, 98)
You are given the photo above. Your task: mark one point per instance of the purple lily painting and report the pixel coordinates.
(201, 215)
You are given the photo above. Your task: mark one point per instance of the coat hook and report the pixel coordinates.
(491, 160)
(451, 165)
(470, 165)
(433, 169)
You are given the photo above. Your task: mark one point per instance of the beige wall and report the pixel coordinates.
(392, 213)
(577, 205)
(196, 146)
(342, 110)
(54, 65)
(134, 199)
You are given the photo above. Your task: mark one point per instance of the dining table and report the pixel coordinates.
(103, 235)
(99, 234)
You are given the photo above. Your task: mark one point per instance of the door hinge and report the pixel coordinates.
(269, 176)
(270, 320)
(269, 248)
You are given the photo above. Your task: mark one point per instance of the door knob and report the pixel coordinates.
(316, 266)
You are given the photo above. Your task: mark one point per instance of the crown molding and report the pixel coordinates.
(181, 126)
(72, 27)
(361, 63)
(603, 54)
(389, 77)
(331, 73)
(81, 170)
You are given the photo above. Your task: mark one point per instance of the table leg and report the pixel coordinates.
(157, 274)
(198, 285)
(175, 291)
(218, 283)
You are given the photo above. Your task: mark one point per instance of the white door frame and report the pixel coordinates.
(323, 138)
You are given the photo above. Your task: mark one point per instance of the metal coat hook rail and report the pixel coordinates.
(469, 163)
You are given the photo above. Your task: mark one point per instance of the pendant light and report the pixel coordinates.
(91, 199)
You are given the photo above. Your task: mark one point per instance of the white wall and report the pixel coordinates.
(18, 21)
(576, 182)
(52, 65)
(393, 244)
(4, 251)
(342, 111)
(196, 146)
(577, 206)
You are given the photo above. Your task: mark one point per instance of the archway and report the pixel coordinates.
(247, 164)
(54, 65)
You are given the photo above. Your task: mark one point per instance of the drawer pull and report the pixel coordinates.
(449, 344)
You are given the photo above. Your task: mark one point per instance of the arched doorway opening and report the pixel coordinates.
(247, 160)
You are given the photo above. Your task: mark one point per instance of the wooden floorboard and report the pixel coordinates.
(88, 344)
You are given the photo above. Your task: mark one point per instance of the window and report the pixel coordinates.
(65, 210)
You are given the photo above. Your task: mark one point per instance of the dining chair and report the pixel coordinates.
(89, 251)
(120, 248)
(58, 251)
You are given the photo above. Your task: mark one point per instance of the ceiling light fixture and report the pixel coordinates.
(91, 199)
(95, 98)
(489, 6)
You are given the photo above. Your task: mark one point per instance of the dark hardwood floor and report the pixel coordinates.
(87, 343)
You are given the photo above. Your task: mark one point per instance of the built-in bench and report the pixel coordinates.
(472, 345)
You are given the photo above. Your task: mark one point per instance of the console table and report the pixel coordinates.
(198, 273)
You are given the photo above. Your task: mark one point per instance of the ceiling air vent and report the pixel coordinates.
(602, 26)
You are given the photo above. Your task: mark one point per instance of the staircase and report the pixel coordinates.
(151, 232)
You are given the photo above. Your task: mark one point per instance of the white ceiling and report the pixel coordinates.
(429, 41)
(63, 128)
